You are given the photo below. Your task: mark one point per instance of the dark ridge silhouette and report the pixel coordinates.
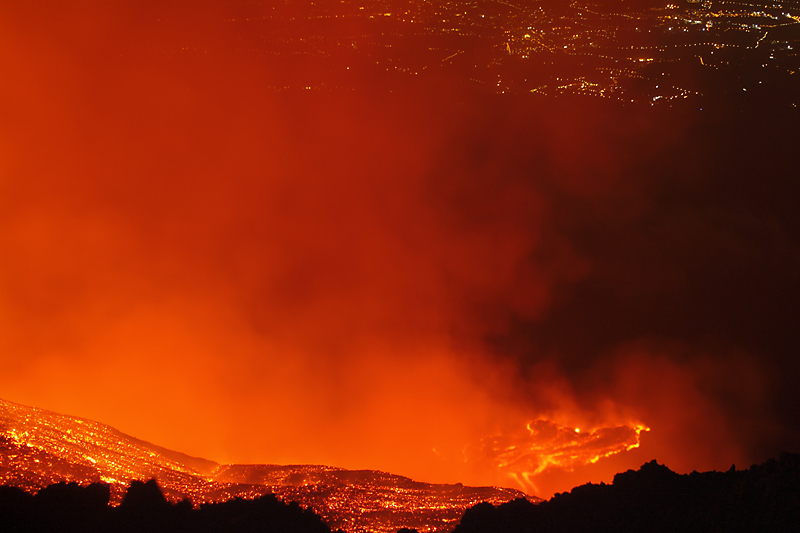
(265, 514)
(144, 496)
(654, 499)
(765, 497)
(16, 508)
(70, 507)
(144, 508)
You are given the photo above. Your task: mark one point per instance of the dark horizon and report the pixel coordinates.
(652, 498)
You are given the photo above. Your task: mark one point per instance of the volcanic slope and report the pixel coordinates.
(39, 448)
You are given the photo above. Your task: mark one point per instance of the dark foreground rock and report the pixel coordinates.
(765, 497)
(69, 507)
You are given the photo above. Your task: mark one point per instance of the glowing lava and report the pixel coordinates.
(39, 448)
(544, 444)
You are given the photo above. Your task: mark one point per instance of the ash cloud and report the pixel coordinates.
(277, 270)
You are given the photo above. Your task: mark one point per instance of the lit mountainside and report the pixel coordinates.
(39, 447)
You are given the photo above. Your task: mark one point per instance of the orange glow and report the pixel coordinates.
(260, 276)
(523, 456)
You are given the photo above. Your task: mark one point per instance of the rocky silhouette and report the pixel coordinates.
(69, 507)
(765, 497)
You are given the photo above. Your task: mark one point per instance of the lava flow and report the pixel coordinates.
(544, 444)
(39, 448)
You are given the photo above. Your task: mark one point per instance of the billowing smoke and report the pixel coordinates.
(447, 285)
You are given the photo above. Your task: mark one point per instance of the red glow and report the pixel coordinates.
(251, 276)
(546, 445)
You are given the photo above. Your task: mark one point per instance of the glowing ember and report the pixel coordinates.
(544, 444)
(39, 448)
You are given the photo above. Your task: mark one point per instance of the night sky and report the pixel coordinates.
(399, 281)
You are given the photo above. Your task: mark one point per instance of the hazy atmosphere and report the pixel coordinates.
(435, 282)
